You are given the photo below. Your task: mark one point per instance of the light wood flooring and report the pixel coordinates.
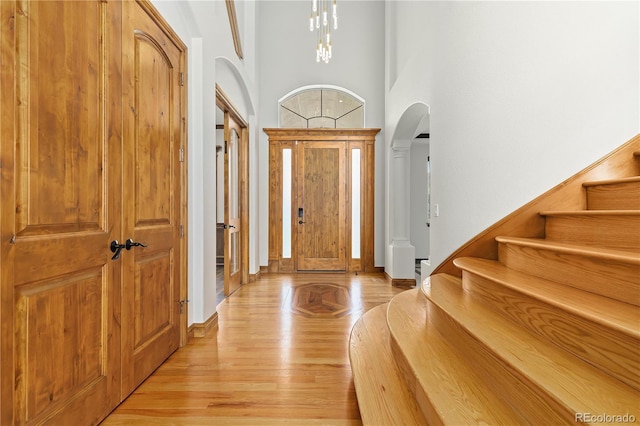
(278, 356)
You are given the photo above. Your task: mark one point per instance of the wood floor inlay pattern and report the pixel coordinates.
(265, 364)
(322, 300)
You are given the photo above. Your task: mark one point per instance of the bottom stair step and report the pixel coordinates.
(447, 388)
(566, 384)
(383, 395)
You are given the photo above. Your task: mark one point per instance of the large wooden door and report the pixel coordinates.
(321, 219)
(335, 189)
(151, 195)
(233, 230)
(59, 203)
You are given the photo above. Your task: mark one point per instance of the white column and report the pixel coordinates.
(401, 252)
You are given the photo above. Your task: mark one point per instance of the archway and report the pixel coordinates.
(400, 251)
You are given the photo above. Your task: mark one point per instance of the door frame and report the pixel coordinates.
(363, 139)
(226, 105)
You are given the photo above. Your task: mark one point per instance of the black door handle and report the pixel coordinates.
(130, 243)
(300, 222)
(116, 248)
(226, 226)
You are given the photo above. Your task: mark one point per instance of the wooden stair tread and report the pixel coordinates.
(617, 315)
(588, 213)
(582, 250)
(574, 384)
(629, 179)
(455, 393)
(383, 395)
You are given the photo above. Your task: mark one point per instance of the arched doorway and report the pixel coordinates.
(401, 253)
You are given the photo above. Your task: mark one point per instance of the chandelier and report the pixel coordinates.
(319, 22)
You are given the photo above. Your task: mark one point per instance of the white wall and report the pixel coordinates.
(522, 95)
(287, 61)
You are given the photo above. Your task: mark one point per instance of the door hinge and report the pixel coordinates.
(181, 230)
(226, 147)
(182, 303)
(182, 155)
(181, 79)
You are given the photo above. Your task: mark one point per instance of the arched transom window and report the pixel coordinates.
(321, 107)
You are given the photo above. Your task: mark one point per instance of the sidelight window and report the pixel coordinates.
(286, 202)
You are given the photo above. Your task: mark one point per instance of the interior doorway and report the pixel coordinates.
(232, 209)
(219, 205)
(420, 199)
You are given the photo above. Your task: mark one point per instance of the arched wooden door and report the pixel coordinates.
(152, 195)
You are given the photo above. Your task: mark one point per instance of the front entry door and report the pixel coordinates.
(233, 231)
(321, 220)
(152, 197)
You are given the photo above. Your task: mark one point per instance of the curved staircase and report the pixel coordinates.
(542, 327)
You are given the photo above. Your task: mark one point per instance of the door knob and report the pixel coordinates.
(116, 248)
(130, 243)
(226, 226)
(300, 222)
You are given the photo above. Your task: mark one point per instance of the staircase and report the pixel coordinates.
(543, 329)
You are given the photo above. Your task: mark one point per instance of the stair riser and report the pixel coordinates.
(620, 196)
(447, 388)
(429, 412)
(527, 398)
(383, 397)
(612, 351)
(612, 231)
(607, 278)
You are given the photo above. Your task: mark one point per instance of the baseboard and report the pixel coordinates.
(254, 277)
(200, 329)
(401, 282)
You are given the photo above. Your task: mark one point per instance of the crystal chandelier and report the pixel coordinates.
(319, 22)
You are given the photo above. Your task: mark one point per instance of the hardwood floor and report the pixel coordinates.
(219, 284)
(279, 356)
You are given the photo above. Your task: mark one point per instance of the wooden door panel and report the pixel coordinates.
(64, 288)
(151, 139)
(321, 195)
(60, 358)
(152, 308)
(59, 169)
